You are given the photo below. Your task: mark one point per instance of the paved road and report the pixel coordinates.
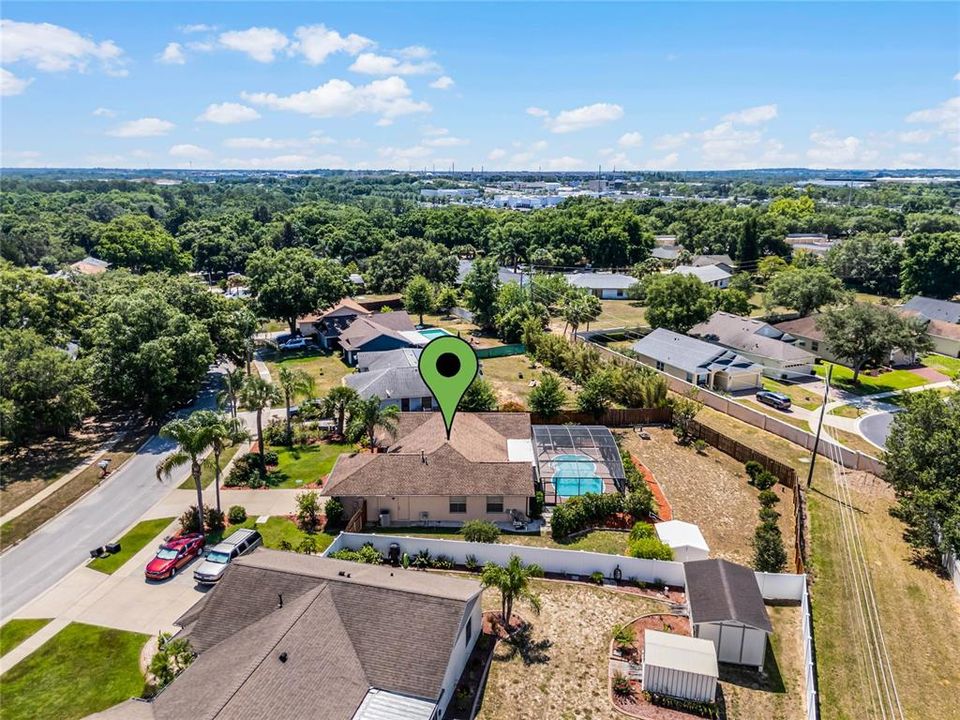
(45, 557)
(876, 428)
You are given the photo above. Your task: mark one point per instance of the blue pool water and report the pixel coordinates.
(575, 475)
(432, 333)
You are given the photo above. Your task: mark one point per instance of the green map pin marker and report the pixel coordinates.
(448, 365)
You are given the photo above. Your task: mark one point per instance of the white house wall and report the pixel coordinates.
(679, 683)
(461, 653)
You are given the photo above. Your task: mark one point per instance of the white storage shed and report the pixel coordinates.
(685, 539)
(679, 666)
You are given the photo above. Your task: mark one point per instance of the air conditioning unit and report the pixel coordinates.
(424, 516)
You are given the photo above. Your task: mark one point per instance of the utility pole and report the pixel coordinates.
(816, 441)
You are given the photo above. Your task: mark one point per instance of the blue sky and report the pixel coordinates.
(503, 86)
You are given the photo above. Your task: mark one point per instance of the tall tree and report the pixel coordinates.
(233, 380)
(294, 383)
(479, 397)
(677, 302)
(804, 289)
(548, 397)
(931, 265)
(418, 296)
(748, 245)
(258, 394)
(142, 244)
(337, 404)
(869, 262)
(194, 436)
(224, 432)
(446, 299)
(513, 583)
(367, 415)
(481, 288)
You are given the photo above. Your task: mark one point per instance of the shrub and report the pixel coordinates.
(275, 433)
(701, 709)
(370, 555)
(624, 635)
(442, 562)
(243, 470)
(700, 445)
(650, 548)
(753, 469)
(596, 577)
(536, 505)
(308, 545)
(471, 563)
(285, 545)
(270, 457)
(308, 510)
(768, 498)
(584, 511)
(621, 685)
(405, 561)
(638, 504)
(190, 520)
(421, 560)
(769, 554)
(480, 531)
(215, 520)
(642, 530)
(512, 406)
(765, 480)
(769, 515)
(237, 514)
(333, 511)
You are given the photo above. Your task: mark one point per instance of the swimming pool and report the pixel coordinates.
(431, 333)
(575, 475)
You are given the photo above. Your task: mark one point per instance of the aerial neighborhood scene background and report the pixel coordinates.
(494, 361)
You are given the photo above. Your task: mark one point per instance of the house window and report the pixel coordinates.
(427, 402)
(659, 365)
(405, 404)
(494, 503)
(814, 345)
(458, 503)
(469, 630)
(619, 293)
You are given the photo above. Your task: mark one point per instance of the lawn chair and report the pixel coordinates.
(519, 520)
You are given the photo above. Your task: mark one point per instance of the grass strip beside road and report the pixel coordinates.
(207, 473)
(81, 670)
(130, 544)
(867, 384)
(13, 632)
(21, 526)
(277, 530)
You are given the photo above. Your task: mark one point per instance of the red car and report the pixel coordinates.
(173, 555)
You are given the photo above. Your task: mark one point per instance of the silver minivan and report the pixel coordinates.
(219, 556)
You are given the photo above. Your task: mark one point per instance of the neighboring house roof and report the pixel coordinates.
(680, 652)
(690, 354)
(344, 308)
(666, 253)
(366, 328)
(749, 335)
(677, 533)
(356, 279)
(943, 310)
(704, 260)
(90, 266)
(722, 591)
(601, 281)
(809, 237)
(802, 327)
(665, 239)
(505, 274)
(389, 383)
(936, 328)
(706, 273)
(373, 361)
(336, 629)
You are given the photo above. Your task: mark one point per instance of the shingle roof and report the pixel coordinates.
(340, 633)
(943, 310)
(389, 383)
(404, 357)
(802, 327)
(705, 260)
(666, 253)
(366, 328)
(690, 354)
(936, 328)
(722, 591)
(748, 335)
(707, 273)
(601, 281)
(480, 437)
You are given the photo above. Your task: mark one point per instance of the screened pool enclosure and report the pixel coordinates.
(576, 459)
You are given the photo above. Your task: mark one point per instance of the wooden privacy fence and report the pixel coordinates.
(612, 418)
(784, 473)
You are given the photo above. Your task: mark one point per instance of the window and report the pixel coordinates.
(494, 503)
(814, 345)
(458, 503)
(405, 405)
(469, 630)
(427, 402)
(619, 293)
(659, 365)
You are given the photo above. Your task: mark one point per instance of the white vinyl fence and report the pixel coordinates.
(809, 662)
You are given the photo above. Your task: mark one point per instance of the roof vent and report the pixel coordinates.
(423, 457)
(342, 573)
(279, 600)
(283, 657)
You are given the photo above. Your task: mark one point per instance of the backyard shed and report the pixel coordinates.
(726, 607)
(685, 539)
(679, 666)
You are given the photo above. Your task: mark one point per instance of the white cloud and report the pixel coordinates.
(753, 115)
(285, 162)
(189, 151)
(52, 48)
(197, 28)
(317, 42)
(630, 139)
(260, 43)
(104, 112)
(444, 82)
(415, 52)
(829, 150)
(672, 141)
(539, 145)
(497, 154)
(10, 84)
(445, 141)
(267, 143)
(403, 157)
(144, 127)
(916, 137)
(388, 98)
(620, 160)
(172, 54)
(205, 46)
(957, 76)
(373, 64)
(663, 163)
(726, 146)
(584, 117)
(537, 112)
(432, 131)
(946, 115)
(565, 163)
(228, 113)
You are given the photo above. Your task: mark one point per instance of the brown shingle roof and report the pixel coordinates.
(341, 637)
(481, 437)
(365, 328)
(937, 328)
(804, 327)
(345, 307)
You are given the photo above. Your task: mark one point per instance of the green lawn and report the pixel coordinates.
(504, 373)
(133, 542)
(869, 385)
(459, 326)
(14, 632)
(81, 670)
(847, 411)
(949, 366)
(326, 370)
(306, 463)
(619, 313)
(277, 529)
(799, 394)
(600, 541)
(207, 473)
(898, 399)
(767, 410)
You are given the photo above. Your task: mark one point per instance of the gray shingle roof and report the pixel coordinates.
(722, 591)
(748, 335)
(690, 354)
(704, 260)
(389, 383)
(366, 328)
(666, 253)
(601, 281)
(706, 273)
(942, 310)
(404, 357)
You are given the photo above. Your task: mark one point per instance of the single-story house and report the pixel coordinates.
(759, 342)
(726, 607)
(328, 324)
(293, 636)
(481, 473)
(606, 286)
(712, 275)
(503, 273)
(378, 361)
(725, 262)
(697, 362)
(395, 380)
(807, 238)
(679, 666)
(664, 240)
(357, 279)
(933, 309)
(808, 336)
(666, 254)
(943, 326)
(378, 332)
(685, 539)
(90, 266)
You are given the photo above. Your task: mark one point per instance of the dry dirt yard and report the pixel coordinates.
(563, 675)
(711, 491)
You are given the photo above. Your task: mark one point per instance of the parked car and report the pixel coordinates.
(239, 543)
(297, 343)
(173, 555)
(774, 399)
(283, 337)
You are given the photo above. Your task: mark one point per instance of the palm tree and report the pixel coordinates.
(513, 582)
(293, 383)
(232, 382)
(337, 402)
(367, 415)
(225, 432)
(194, 436)
(258, 394)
